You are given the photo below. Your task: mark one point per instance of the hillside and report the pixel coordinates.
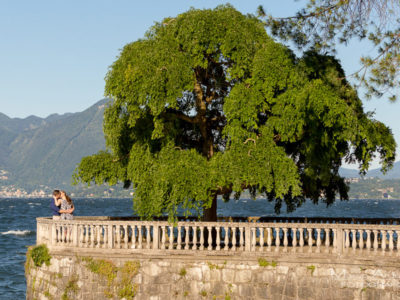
(36, 151)
(394, 173)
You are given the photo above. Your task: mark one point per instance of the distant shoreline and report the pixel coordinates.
(130, 198)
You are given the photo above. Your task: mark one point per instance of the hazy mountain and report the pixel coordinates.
(394, 173)
(45, 151)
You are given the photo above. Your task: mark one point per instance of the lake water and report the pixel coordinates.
(18, 224)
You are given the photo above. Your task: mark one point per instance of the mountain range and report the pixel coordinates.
(45, 151)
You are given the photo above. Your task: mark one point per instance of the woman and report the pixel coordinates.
(66, 205)
(67, 208)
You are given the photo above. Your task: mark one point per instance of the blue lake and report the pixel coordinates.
(18, 224)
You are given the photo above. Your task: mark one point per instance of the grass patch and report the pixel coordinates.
(127, 290)
(215, 266)
(262, 262)
(182, 272)
(39, 255)
(122, 284)
(71, 288)
(311, 268)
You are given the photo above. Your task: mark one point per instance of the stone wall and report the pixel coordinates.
(87, 276)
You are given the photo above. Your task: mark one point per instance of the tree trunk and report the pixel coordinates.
(210, 214)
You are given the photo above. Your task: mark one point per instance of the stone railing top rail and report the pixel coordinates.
(118, 221)
(255, 219)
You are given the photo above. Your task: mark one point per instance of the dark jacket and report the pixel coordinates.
(55, 209)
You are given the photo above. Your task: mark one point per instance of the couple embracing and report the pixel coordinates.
(62, 206)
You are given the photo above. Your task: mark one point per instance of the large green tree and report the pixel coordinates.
(207, 104)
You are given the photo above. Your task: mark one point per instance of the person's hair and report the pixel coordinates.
(56, 192)
(69, 200)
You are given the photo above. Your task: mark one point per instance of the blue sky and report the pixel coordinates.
(54, 54)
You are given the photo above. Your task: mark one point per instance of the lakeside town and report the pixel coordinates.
(360, 188)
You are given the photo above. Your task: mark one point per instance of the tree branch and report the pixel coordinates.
(181, 116)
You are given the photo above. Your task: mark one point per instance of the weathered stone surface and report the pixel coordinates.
(191, 277)
(228, 275)
(242, 276)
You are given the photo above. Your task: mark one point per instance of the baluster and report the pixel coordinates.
(54, 233)
(171, 238)
(71, 233)
(148, 237)
(194, 246)
(87, 236)
(126, 236)
(285, 239)
(241, 239)
(361, 240)
(63, 235)
(391, 246)
(67, 234)
(218, 229)
(301, 242)
(93, 236)
(398, 242)
(277, 239)
(179, 246)
(163, 228)
(318, 240)
(347, 239)
(368, 244)
(98, 230)
(186, 237)
(226, 240)
(209, 238)
(253, 239)
(294, 239)
(58, 235)
(60, 230)
(201, 238)
(354, 239)
(105, 237)
(327, 239)
(335, 241)
(310, 239)
(90, 236)
(269, 239)
(233, 239)
(383, 243)
(81, 235)
(261, 239)
(134, 235)
(140, 238)
(375, 240)
(119, 233)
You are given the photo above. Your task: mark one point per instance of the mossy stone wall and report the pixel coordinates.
(139, 276)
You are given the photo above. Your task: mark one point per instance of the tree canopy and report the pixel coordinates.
(322, 24)
(207, 104)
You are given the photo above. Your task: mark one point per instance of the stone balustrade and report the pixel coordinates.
(228, 237)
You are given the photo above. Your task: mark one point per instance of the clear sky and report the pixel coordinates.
(54, 54)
